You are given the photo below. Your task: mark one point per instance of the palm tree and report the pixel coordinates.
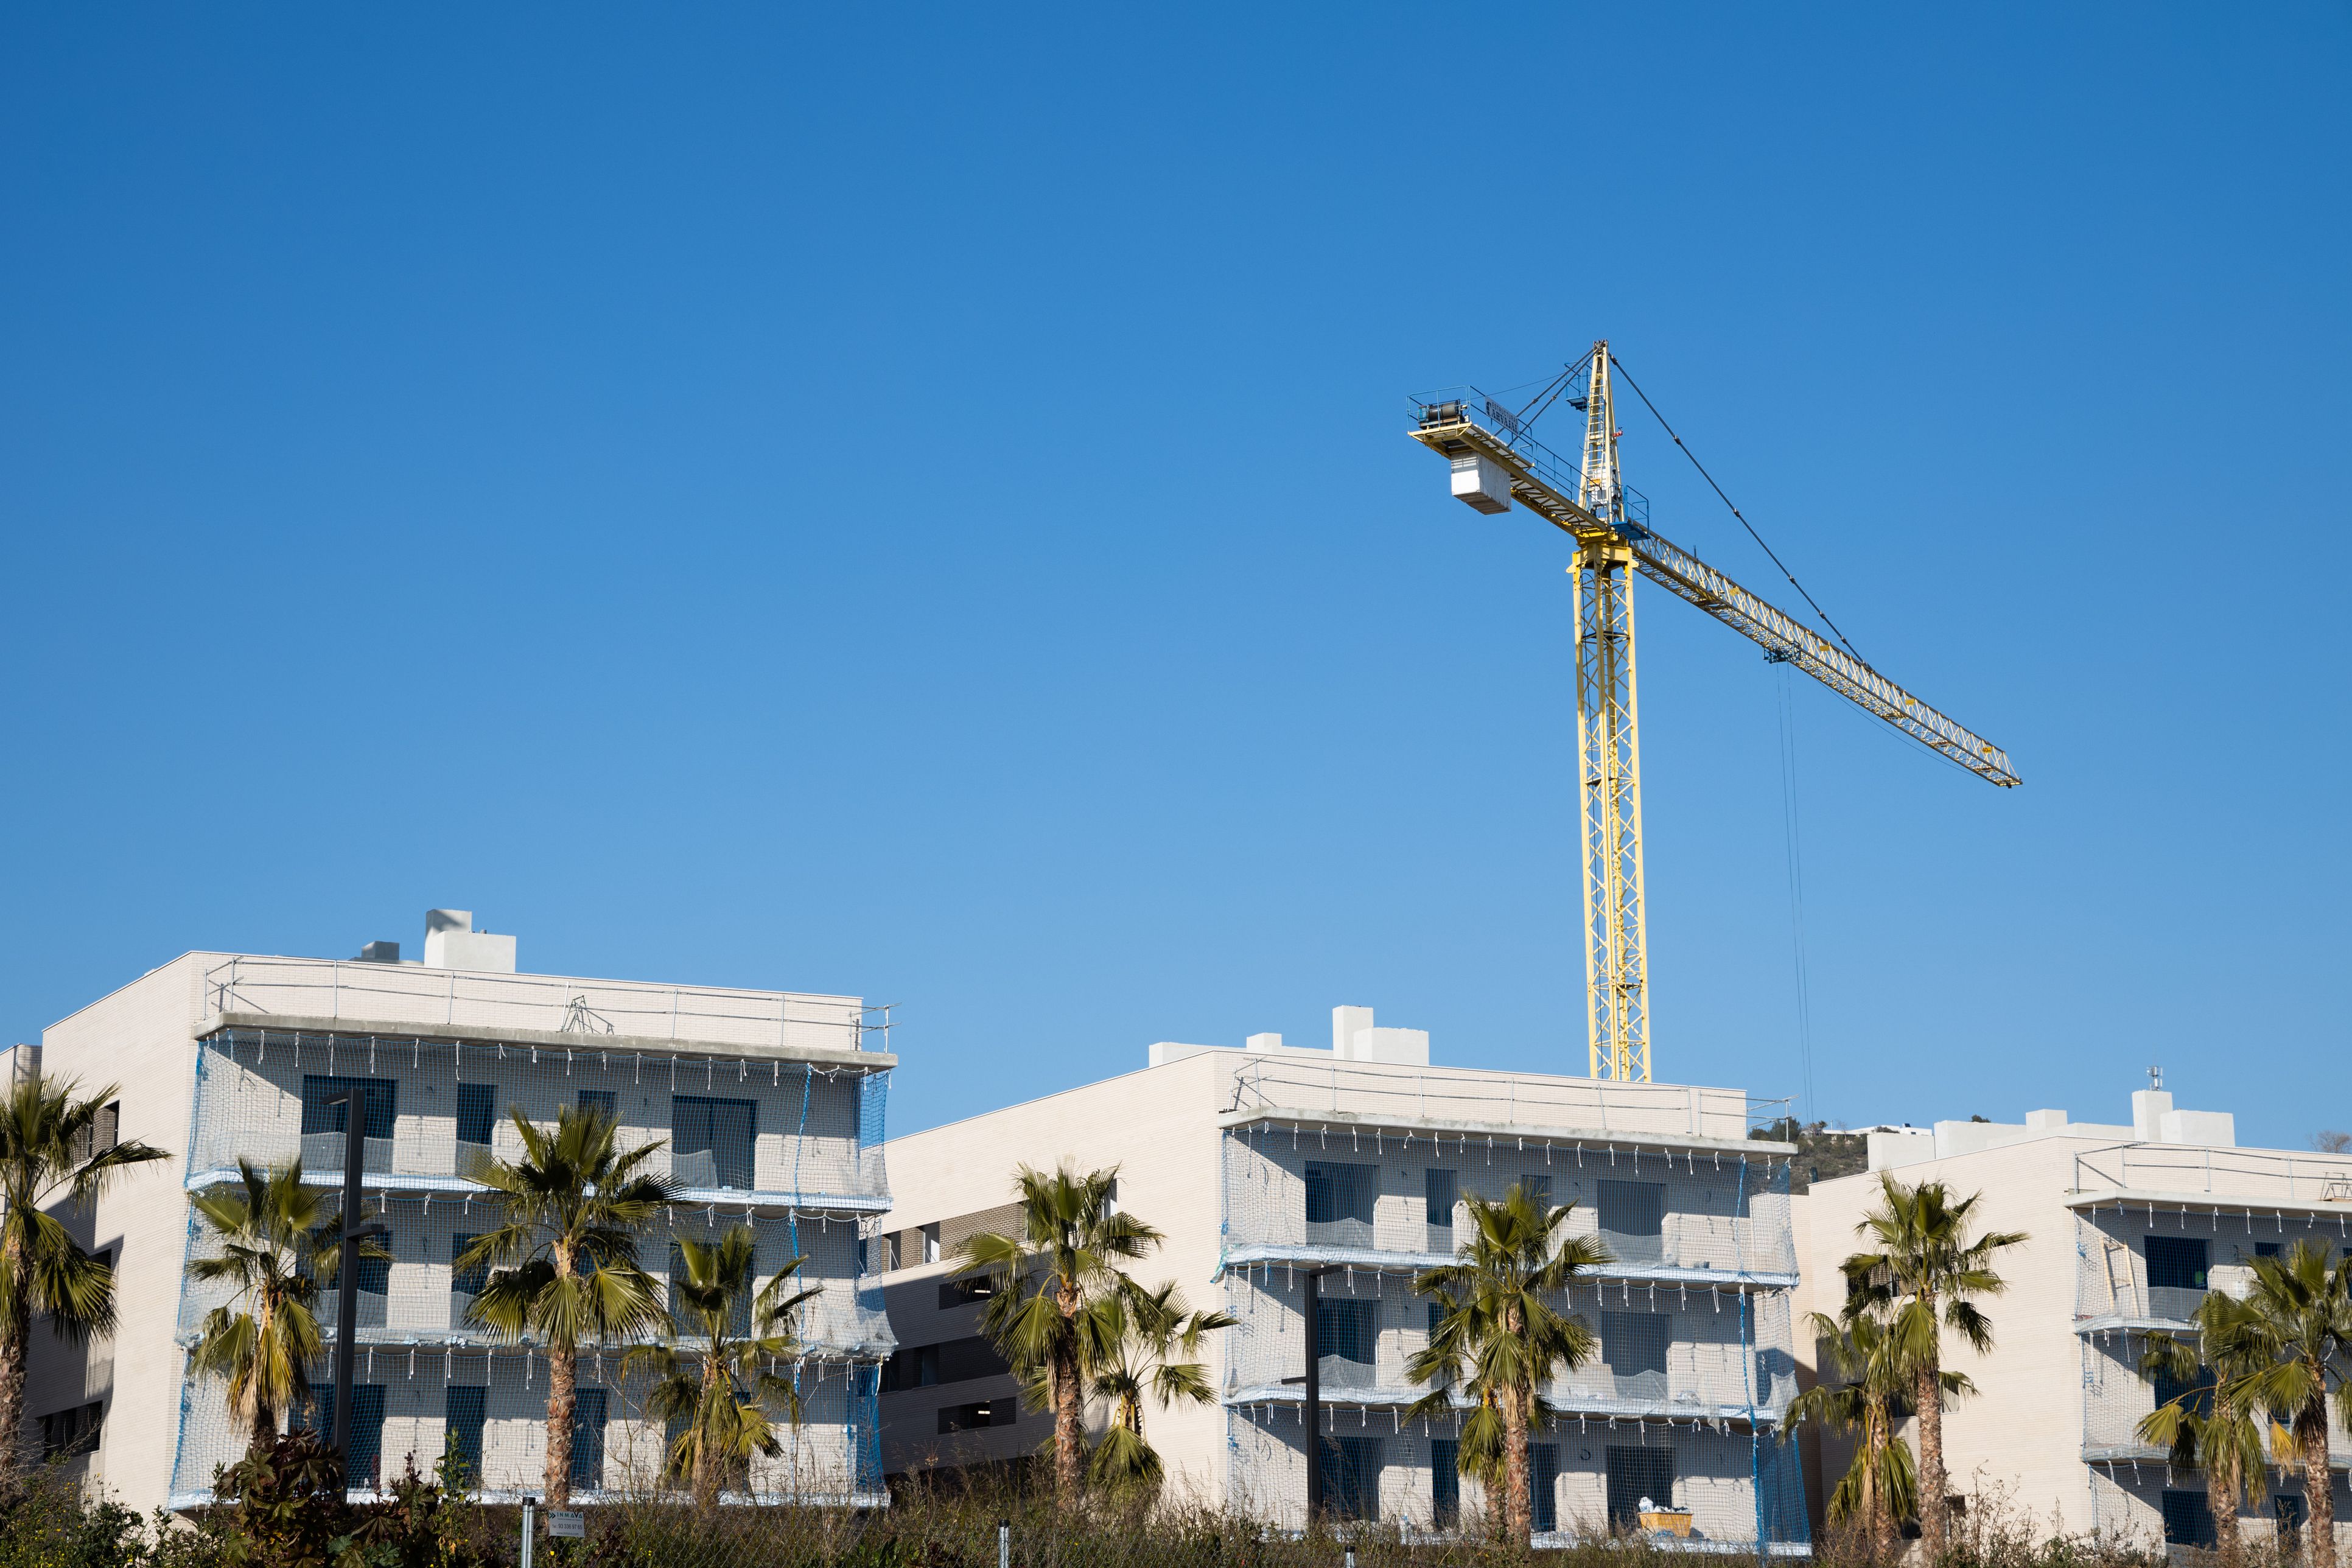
(278, 1240)
(1072, 1240)
(1157, 1339)
(48, 1136)
(2210, 1425)
(2297, 1342)
(723, 1387)
(1880, 1488)
(1497, 1320)
(1927, 1271)
(564, 1259)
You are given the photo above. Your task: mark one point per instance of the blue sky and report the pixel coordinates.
(916, 504)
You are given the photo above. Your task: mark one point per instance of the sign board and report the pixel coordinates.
(564, 1522)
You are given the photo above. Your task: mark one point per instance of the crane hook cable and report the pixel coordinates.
(1750, 527)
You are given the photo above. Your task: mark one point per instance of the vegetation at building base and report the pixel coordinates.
(282, 1511)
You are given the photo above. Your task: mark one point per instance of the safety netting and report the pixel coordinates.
(1589, 1476)
(731, 1129)
(2142, 1268)
(789, 1149)
(488, 1408)
(1693, 1362)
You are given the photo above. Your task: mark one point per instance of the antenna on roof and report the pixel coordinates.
(2156, 1077)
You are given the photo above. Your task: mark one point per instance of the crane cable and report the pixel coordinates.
(1750, 527)
(1793, 846)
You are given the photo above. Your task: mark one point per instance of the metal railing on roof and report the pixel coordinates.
(455, 999)
(2251, 1175)
(1439, 1094)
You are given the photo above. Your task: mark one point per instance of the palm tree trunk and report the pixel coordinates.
(1877, 1514)
(16, 1341)
(2318, 1489)
(1517, 1511)
(2221, 1496)
(563, 1402)
(1930, 1401)
(705, 1463)
(1069, 1429)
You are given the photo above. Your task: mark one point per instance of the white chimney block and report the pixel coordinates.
(2148, 1106)
(452, 942)
(2212, 1128)
(1346, 1022)
(1402, 1047)
(2045, 1121)
(1261, 1044)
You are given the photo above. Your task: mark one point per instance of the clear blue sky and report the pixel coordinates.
(916, 502)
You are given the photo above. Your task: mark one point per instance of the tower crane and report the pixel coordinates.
(1498, 461)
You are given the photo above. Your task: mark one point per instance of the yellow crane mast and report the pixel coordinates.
(1497, 461)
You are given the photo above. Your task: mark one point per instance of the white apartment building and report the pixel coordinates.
(768, 1105)
(1263, 1161)
(2130, 1224)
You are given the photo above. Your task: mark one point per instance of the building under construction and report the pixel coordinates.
(1264, 1162)
(768, 1105)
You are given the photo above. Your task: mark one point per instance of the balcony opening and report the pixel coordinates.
(1340, 1203)
(1351, 1478)
(1633, 1347)
(1638, 1477)
(711, 1141)
(322, 1124)
(1346, 1334)
(1633, 1221)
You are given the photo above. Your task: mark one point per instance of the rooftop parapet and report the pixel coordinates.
(1450, 1098)
(289, 992)
(2226, 1180)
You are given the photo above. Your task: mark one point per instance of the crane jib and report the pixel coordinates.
(1778, 633)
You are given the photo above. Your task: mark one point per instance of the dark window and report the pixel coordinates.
(70, 1432)
(1437, 1316)
(588, 1439)
(2287, 1509)
(2188, 1518)
(1633, 1343)
(1351, 1477)
(462, 1415)
(2266, 1249)
(1635, 1473)
(1543, 1485)
(1345, 1332)
(1340, 1203)
(711, 1140)
(367, 1427)
(104, 1131)
(477, 1112)
(1444, 1482)
(910, 1366)
(2178, 1262)
(466, 1281)
(379, 1096)
(1439, 1189)
(964, 1292)
(600, 1102)
(974, 1417)
(2199, 1385)
(1536, 1184)
(963, 1359)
